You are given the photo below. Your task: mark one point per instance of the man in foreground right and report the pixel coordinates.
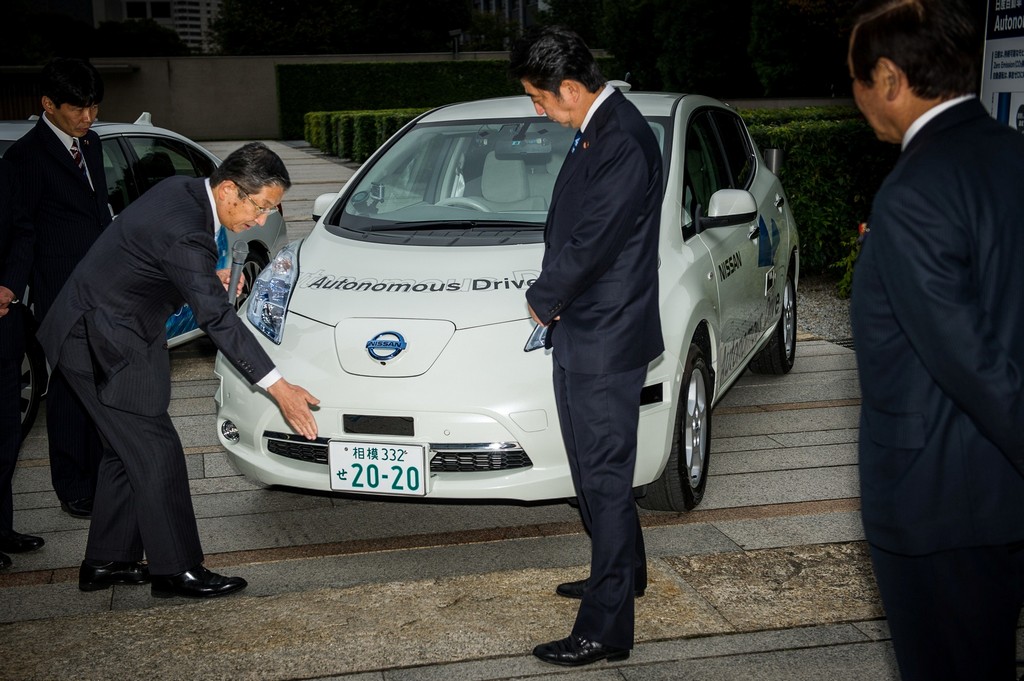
(938, 318)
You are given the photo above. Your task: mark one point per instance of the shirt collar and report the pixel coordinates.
(603, 95)
(928, 115)
(61, 135)
(213, 207)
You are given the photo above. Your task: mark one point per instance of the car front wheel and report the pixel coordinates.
(682, 483)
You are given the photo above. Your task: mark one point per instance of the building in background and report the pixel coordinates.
(190, 19)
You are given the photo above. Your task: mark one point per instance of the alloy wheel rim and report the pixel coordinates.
(695, 429)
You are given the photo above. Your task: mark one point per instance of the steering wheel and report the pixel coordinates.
(464, 202)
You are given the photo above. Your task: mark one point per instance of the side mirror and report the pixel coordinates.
(727, 208)
(322, 204)
(773, 159)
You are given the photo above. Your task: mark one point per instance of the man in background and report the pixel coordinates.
(59, 164)
(938, 318)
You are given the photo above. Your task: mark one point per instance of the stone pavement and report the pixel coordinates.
(768, 579)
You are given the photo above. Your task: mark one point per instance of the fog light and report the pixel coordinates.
(229, 431)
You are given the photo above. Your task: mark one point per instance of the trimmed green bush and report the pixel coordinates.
(354, 134)
(831, 170)
(361, 86)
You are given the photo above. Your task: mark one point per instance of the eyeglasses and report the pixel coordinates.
(260, 210)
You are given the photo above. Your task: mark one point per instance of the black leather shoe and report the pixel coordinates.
(576, 650)
(78, 508)
(95, 576)
(196, 583)
(576, 589)
(15, 542)
(5, 561)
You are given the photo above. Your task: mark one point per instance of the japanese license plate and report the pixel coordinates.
(377, 468)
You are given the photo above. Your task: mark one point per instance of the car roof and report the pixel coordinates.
(650, 104)
(12, 130)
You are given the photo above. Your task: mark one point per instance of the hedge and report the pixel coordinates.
(831, 170)
(354, 135)
(360, 86)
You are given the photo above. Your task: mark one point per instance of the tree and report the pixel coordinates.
(626, 26)
(702, 47)
(137, 38)
(798, 47)
(252, 27)
(585, 17)
(34, 36)
(489, 31)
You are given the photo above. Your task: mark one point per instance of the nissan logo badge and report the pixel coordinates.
(385, 346)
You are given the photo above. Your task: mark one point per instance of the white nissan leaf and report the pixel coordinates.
(404, 311)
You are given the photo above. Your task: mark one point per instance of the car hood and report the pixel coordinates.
(341, 279)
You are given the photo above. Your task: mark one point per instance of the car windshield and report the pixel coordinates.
(489, 174)
(459, 183)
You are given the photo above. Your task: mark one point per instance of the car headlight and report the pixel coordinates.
(268, 302)
(537, 339)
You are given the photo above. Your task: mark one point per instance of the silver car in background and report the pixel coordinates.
(136, 156)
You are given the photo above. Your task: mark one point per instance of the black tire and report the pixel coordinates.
(33, 380)
(778, 355)
(682, 483)
(254, 264)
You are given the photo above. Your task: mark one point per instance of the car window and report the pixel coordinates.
(160, 158)
(738, 149)
(705, 170)
(469, 175)
(115, 167)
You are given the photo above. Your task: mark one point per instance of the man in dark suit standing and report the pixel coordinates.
(938, 324)
(60, 168)
(106, 332)
(15, 256)
(598, 295)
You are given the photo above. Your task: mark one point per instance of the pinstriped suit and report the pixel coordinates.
(106, 331)
(66, 217)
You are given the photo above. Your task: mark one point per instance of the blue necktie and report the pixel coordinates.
(223, 258)
(575, 141)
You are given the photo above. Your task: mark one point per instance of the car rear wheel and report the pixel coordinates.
(33, 380)
(682, 483)
(778, 355)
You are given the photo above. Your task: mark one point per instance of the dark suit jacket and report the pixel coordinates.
(159, 253)
(938, 325)
(600, 267)
(15, 262)
(61, 208)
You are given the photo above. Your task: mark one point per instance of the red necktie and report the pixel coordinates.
(76, 154)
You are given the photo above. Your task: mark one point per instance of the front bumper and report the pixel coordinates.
(488, 420)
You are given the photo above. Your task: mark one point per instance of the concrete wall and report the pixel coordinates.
(216, 98)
